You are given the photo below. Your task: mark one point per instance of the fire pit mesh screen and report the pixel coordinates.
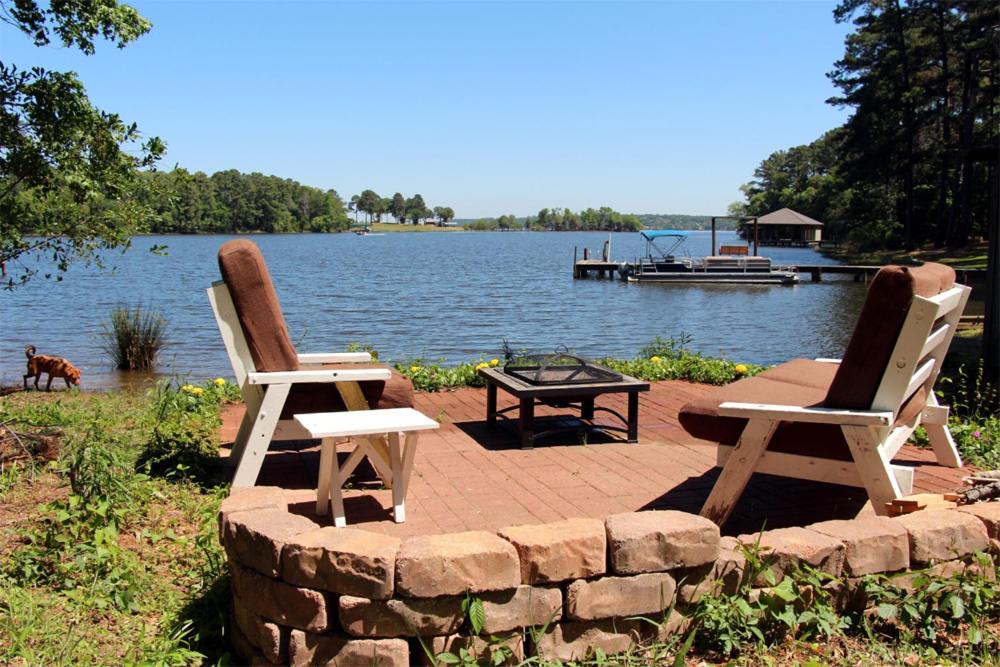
(557, 368)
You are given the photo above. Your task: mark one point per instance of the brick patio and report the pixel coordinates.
(468, 476)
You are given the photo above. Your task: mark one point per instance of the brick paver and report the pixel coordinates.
(468, 476)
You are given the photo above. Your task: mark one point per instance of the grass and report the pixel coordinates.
(972, 257)
(101, 563)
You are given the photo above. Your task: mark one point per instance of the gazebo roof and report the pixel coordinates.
(786, 216)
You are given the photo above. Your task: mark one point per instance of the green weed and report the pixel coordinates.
(134, 338)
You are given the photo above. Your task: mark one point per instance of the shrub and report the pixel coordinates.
(185, 438)
(135, 338)
(75, 547)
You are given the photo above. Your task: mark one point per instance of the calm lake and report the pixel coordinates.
(451, 296)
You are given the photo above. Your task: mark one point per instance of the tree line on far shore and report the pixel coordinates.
(402, 209)
(915, 162)
(563, 220)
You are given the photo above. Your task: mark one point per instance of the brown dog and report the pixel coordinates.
(56, 367)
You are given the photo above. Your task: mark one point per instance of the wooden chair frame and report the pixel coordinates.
(915, 363)
(265, 393)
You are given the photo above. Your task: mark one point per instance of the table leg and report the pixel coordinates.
(633, 416)
(327, 472)
(491, 403)
(398, 489)
(587, 408)
(526, 422)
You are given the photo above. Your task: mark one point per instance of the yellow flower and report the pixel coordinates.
(220, 382)
(494, 362)
(187, 388)
(655, 360)
(197, 391)
(480, 366)
(741, 368)
(414, 369)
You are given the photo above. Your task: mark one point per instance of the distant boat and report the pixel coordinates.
(664, 267)
(367, 232)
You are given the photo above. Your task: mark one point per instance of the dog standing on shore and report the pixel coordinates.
(56, 367)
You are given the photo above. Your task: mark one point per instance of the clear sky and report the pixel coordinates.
(491, 108)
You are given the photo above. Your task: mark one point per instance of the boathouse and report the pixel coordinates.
(786, 227)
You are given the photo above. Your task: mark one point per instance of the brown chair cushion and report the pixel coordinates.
(397, 392)
(878, 327)
(792, 383)
(257, 307)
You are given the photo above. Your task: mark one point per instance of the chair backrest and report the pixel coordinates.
(903, 333)
(256, 306)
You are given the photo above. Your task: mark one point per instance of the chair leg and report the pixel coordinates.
(738, 469)
(873, 466)
(251, 400)
(941, 440)
(398, 490)
(248, 466)
(328, 474)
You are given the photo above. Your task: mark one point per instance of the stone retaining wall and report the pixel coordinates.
(303, 594)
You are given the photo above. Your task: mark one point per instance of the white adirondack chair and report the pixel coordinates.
(873, 435)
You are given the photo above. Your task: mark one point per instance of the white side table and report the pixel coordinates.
(400, 425)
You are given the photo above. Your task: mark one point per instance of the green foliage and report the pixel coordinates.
(231, 202)
(975, 419)
(76, 546)
(798, 606)
(435, 377)
(134, 338)
(68, 171)
(921, 81)
(184, 441)
(669, 359)
(929, 609)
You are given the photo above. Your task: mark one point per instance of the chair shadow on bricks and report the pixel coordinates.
(769, 502)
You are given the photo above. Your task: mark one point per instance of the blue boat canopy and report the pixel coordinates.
(651, 234)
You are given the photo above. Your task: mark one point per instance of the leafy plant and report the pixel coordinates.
(134, 338)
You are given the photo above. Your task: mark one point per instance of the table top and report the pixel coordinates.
(364, 422)
(520, 388)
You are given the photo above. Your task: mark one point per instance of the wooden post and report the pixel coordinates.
(586, 254)
(991, 314)
(756, 236)
(713, 236)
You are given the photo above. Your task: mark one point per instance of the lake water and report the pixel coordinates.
(453, 295)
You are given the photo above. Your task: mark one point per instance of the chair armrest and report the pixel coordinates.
(793, 413)
(336, 358)
(326, 375)
(828, 361)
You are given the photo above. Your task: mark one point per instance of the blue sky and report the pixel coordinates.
(490, 107)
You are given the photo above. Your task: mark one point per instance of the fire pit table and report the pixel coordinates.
(562, 386)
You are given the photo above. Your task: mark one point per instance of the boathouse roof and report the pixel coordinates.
(786, 216)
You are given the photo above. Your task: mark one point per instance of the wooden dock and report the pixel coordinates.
(604, 268)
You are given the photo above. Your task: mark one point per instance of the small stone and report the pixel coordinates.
(657, 541)
(552, 552)
(938, 535)
(255, 538)
(525, 606)
(785, 549)
(576, 641)
(988, 513)
(873, 544)
(271, 639)
(609, 597)
(410, 617)
(474, 562)
(305, 648)
(286, 605)
(342, 560)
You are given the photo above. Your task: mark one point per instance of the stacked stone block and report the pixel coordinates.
(306, 595)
